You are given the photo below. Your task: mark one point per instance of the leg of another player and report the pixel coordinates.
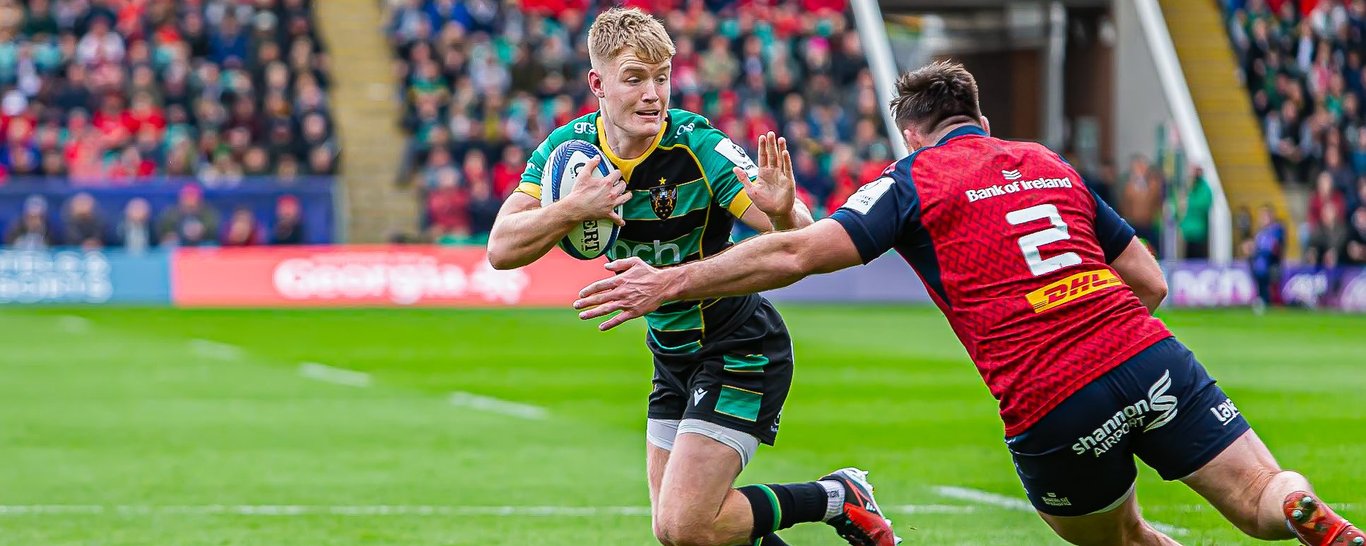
(1249, 488)
(1122, 526)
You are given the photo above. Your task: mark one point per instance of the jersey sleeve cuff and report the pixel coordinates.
(739, 204)
(1117, 240)
(529, 188)
(858, 233)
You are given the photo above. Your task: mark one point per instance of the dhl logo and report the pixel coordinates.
(1069, 289)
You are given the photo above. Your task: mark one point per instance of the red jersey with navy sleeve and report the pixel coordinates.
(1015, 250)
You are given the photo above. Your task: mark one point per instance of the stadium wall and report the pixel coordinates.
(1141, 107)
(433, 276)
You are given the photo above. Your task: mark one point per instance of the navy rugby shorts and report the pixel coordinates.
(1160, 405)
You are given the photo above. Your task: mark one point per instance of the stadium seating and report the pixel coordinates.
(483, 85)
(1303, 66)
(112, 93)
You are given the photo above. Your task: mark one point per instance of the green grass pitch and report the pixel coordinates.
(174, 427)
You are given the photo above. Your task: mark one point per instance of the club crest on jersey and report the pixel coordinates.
(663, 199)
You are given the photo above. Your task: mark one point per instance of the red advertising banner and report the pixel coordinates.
(371, 276)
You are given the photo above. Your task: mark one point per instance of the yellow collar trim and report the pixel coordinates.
(628, 165)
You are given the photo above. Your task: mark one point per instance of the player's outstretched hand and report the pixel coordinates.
(597, 197)
(635, 291)
(774, 189)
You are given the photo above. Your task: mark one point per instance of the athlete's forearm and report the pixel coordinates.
(519, 238)
(765, 262)
(798, 217)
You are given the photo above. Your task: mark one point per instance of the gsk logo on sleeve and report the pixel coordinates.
(863, 200)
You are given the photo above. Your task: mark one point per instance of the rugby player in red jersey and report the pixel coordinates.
(1051, 294)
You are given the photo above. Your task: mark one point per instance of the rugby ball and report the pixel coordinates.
(591, 238)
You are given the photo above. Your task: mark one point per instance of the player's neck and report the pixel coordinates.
(939, 135)
(624, 146)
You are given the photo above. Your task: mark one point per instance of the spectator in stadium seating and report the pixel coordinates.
(256, 162)
(1342, 176)
(130, 165)
(224, 171)
(31, 230)
(322, 160)
(475, 168)
(135, 232)
(38, 19)
(287, 169)
(813, 179)
(1354, 253)
(83, 226)
(1326, 197)
(191, 222)
(1142, 201)
(508, 172)
(845, 177)
(483, 207)
(100, 44)
(242, 229)
(1327, 239)
(289, 226)
(1289, 139)
(1193, 215)
(227, 43)
(448, 207)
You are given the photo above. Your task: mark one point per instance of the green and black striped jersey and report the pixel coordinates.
(685, 200)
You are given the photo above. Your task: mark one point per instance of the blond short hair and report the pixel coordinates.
(619, 29)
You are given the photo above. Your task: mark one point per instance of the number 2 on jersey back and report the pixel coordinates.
(1030, 243)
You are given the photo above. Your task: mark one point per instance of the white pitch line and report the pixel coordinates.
(496, 405)
(929, 509)
(1012, 503)
(214, 349)
(309, 510)
(983, 497)
(329, 374)
(285, 510)
(73, 324)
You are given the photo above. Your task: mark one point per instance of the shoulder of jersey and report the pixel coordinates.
(901, 168)
(685, 126)
(584, 127)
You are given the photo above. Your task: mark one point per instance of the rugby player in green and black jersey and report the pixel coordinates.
(722, 367)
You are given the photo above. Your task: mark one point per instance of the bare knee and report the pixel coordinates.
(1265, 519)
(1244, 511)
(673, 530)
(1247, 486)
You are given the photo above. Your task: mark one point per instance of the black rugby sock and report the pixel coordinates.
(776, 507)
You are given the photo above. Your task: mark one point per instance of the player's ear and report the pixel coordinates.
(909, 137)
(595, 83)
